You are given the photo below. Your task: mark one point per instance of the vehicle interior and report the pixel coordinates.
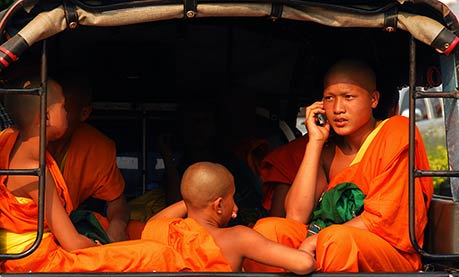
(252, 73)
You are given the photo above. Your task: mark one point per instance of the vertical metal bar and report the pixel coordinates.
(42, 159)
(411, 147)
(144, 151)
(43, 105)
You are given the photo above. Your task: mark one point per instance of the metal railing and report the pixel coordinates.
(413, 171)
(41, 170)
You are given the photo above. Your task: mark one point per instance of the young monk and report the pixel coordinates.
(278, 169)
(87, 159)
(206, 245)
(373, 155)
(62, 248)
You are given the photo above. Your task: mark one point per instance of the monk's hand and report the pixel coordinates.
(316, 132)
(309, 245)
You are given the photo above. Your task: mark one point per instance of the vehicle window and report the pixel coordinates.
(300, 121)
(437, 107)
(421, 110)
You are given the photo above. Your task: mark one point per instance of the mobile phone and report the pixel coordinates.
(321, 119)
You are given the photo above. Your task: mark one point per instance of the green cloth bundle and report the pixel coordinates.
(87, 224)
(338, 205)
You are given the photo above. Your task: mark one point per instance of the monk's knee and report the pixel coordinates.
(268, 223)
(268, 227)
(282, 230)
(335, 233)
(336, 241)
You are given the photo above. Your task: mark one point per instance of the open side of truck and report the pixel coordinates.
(266, 57)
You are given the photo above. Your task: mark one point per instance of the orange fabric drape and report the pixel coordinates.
(90, 168)
(280, 166)
(134, 255)
(126, 256)
(15, 216)
(191, 240)
(382, 175)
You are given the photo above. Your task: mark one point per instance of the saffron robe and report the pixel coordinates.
(90, 170)
(281, 166)
(380, 170)
(21, 217)
(191, 240)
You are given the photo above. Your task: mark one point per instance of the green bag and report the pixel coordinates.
(338, 205)
(87, 224)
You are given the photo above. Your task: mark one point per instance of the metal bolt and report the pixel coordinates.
(190, 14)
(73, 25)
(390, 29)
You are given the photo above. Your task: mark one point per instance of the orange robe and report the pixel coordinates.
(17, 217)
(281, 166)
(89, 167)
(195, 244)
(90, 170)
(380, 169)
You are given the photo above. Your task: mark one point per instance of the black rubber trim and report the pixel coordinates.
(276, 11)
(443, 40)
(390, 20)
(71, 15)
(190, 8)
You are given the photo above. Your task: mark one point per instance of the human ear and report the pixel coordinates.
(218, 205)
(375, 99)
(85, 113)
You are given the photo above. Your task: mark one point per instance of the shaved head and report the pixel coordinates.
(203, 182)
(24, 108)
(352, 72)
(76, 87)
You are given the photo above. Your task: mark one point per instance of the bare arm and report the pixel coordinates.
(278, 201)
(258, 248)
(58, 220)
(118, 214)
(172, 176)
(310, 180)
(176, 210)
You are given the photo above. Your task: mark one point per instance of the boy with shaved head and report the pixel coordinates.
(372, 156)
(87, 159)
(203, 239)
(279, 167)
(62, 248)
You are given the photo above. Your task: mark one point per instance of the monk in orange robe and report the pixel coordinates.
(203, 239)
(373, 155)
(87, 159)
(277, 171)
(62, 248)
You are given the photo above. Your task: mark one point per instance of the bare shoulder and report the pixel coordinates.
(235, 232)
(234, 236)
